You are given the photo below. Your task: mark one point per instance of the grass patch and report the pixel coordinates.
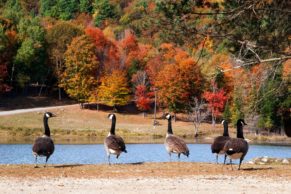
(75, 125)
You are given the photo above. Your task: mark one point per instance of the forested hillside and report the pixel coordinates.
(223, 58)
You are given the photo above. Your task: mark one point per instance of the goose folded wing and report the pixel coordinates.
(237, 145)
(43, 146)
(219, 143)
(115, 143)
(177, 144)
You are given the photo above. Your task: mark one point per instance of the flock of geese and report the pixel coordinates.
(234, 148)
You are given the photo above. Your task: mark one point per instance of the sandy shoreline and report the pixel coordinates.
(192, 184)
(174, 177)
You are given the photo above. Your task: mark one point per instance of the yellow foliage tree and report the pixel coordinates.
(113, 89)
(80, 77)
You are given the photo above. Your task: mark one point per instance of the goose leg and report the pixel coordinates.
(46, 161)
(240, 161)
(231, 164)
(216, 158)
(179, 156)
(108, 157)
(224, 158)
(170, 157)
(35, 165)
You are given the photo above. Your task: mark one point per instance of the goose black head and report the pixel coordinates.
(49, 115)
(224, 122)
(241, 122)
(168, 116)
(111, 116)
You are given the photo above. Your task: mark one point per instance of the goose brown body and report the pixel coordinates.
(173, 143)
(44, 146)
(113, 144)
(217, 147)
(237, 148)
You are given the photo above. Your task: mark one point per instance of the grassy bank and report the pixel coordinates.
(73, 125)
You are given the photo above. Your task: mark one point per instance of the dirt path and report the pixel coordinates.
(19, 111)
(146, 178)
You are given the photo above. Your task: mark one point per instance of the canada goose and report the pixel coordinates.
(44, 146)
(174, 144)
(113, 144)
(237, 148)
(219, 142)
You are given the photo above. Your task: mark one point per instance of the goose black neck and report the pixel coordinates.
(225, 131)
(47, 131)
(170, 130)
(112, 130)
(240, 131)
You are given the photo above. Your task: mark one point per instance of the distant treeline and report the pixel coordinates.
(218, 58)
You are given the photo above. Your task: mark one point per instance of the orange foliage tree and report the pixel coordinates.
(179, 81)
(134, 56)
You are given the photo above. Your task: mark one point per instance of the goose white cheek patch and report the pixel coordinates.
(110, 117)
(47, 115)
(168, 116)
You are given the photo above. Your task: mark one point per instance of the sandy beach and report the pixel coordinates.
(172, 177)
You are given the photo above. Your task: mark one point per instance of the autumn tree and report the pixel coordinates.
(106, 50)
(216, 101)
(114, 90)
(130, 51)
(58, 37)
(143, 96)
(134, 55)
(8, 49)
(80, 77)
(179, 80)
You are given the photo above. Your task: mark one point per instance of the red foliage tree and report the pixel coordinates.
(106, 50)
(216, 101)
(143, 98)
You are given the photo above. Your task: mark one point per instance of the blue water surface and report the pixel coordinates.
(95, 154)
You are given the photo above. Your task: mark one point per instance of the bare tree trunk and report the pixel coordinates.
(60, 95)
(213, 118)
(58, 74)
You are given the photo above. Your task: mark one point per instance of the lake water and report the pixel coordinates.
(95, 154)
